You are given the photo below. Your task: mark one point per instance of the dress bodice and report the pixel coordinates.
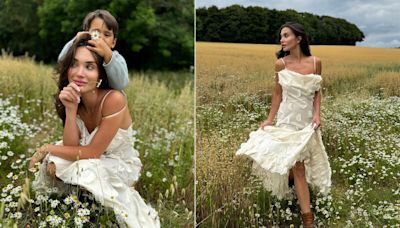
(121, 145)
(298, 91)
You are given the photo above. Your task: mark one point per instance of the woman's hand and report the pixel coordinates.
(265, 123)
(70, 96)
(316, 122)
(39, 155)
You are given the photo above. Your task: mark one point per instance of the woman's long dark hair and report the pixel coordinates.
(298, 30)
(63, 68)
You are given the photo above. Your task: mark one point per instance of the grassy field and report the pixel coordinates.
(360, 128)
(161, 105)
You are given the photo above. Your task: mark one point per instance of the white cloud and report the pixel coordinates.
(382, 40)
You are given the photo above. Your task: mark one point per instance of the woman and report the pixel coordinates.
(292, 148)
(96, 152)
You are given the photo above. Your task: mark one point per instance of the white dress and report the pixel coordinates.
(110, 178)
(276, 149)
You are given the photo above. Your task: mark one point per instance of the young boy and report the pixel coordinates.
(104, 29)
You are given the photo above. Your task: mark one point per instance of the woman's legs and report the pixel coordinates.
(291, 178)
(301, 187)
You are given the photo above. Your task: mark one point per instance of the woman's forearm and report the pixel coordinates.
(71, 130)
(73, 153)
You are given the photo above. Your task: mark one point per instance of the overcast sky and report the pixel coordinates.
(378, 19)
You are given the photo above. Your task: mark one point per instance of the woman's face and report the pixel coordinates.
(288, 39)
(84, 71)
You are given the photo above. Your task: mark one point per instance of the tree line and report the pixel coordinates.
(256, 24)
(153, 34)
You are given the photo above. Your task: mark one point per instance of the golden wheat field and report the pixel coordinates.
(360, 128)
(225, 69)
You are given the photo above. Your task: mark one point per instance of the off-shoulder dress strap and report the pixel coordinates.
(315, 66)
(114, 114)
(284, 64)
(104, 98)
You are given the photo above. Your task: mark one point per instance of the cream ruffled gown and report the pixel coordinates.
(276, 149)
(110, 178)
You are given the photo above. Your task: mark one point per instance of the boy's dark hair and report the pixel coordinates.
(106, 16)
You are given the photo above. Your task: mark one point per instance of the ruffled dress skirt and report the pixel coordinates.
(275, 150)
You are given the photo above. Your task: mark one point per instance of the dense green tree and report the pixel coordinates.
(260, 25)
(18, 26)
(154, 34)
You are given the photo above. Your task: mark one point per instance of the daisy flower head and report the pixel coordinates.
(95, 35)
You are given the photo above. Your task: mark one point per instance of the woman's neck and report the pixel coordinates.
(90, 100)
(297, 54)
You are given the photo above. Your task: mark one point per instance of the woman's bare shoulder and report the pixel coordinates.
(114, 102)
(279, 65)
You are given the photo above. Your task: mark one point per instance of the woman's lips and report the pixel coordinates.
(79, 83)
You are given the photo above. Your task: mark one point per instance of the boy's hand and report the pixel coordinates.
(80, 34)
(101, 48)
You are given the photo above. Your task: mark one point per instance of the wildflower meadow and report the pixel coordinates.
(360, 130)
(161, 105)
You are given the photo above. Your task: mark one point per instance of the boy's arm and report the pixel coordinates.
(117, 71)
(65, 49)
